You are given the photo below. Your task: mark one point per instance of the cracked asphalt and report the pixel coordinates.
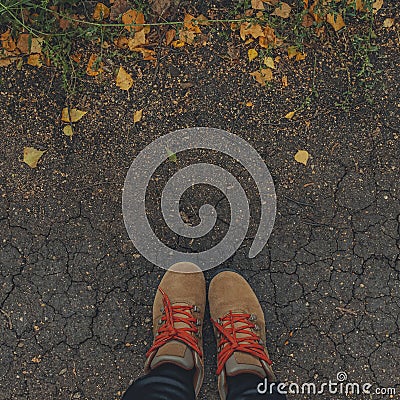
(76, 297)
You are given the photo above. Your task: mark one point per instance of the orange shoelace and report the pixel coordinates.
(168, 331)
(229, 342)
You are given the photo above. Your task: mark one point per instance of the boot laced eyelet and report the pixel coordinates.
(198, 322)
(256, 327)
(253, 317)
(160, 321)
(196, 309)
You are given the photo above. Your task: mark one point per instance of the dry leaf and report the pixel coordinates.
(117, 8)
(147, 54)
(269, 62)
(388, 22)
(282, 11)
(73, 115)
(34, 60)
(308, 20)
(7, 41)
(94, 67)
(64, 23)
(138, 40)
(123, 80)
(294, 52)
(170, 36)
(101, 11)
(263, 76)
(36, 360)
(160, 7)
(377, 5)
(133, 17)
(68, 130)
(177, 43)
(336, 21)
(23, 43)
(5, 62)
(32, 156)
(186, 36)
(252, 54)
(36, 45)
(257, 5)
(122, 42)
(268, 38)
(302, 157)
(137, 116)
(76, 57)
(254, 30)
(290, 115)
(191, 24)
(359, 5)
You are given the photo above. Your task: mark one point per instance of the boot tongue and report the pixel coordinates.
(174, 351)
(240, 362)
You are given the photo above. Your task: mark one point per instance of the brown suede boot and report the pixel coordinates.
(178, 313)
(239, 326)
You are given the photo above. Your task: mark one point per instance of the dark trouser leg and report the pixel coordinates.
(244, 387)
(166, 382)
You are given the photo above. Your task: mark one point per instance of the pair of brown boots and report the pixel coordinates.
(237, 316)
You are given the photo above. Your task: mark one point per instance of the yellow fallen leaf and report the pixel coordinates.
(23, 43)
(190, 23)
(377, 5)
(302, 157)
(170, 36)
(294, 52)
(257, 5)
(138, 40)
(68, 130)
(254, 30)
(137, 116)
(186, 36)
(5, 62)
(94, 67)
(252, 53)
(290, 115)
(101, 11)
(263, 76)
(34, 60)
(269, 62)
(388, 22)
(283, 10)
(249, 104)
(177, 43)
(36, 45)
(32, 156)
(123, 80)
(133, 17)
(336, 21)
(7, 41)
(269, 38)
(73, 115)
